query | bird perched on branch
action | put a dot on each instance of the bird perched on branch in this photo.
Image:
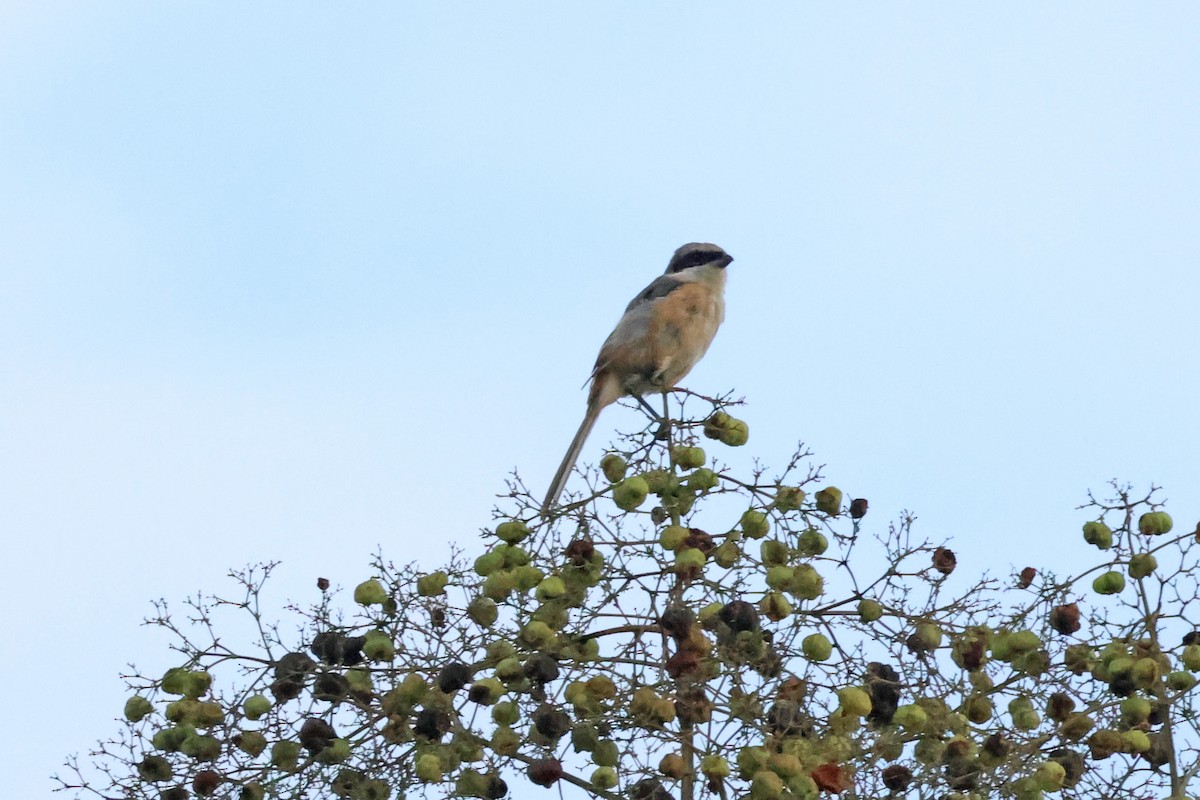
(665, 330)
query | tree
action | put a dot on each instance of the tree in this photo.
(680, 631)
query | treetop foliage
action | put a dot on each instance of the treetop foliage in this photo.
(682, 630)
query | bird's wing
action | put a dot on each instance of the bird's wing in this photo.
(629, 337)
(661, 286)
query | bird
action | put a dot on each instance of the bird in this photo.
(664, 331)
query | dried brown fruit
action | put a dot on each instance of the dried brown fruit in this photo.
(944, 560)
(1065, 618)
(545, 771)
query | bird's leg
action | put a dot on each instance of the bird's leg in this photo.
(664, 422)
(664, 431)
(649, 408)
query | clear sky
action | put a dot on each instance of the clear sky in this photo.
(294, 280)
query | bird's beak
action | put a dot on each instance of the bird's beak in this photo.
(724, 261)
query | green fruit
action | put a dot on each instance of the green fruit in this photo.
(489, 562)
(195, 713)
(869, 610)
(679, 500)
(785, 765)
(980, 681)
(256, 707)
(470, 783)
(606, 753)
(687, 458)
(673, 537)
(137, 708)
(812, 542)
(1033, 663)
(588, 651)
(703, 479)
(337, 752)
(506, 713)
(510, 670)
(499, 585)
(911, 717)
(432, 585)
(1076, 726)
(659, 481)
(1135, 710)
(411, 690)
(736, 433)
(155, 769)
(528, 576)
(689, 558)
(429, 768)
(776, 607)
(715, 425)
(1105, 743)
(200, 747)
(498, 651)
(1155, 523)
(378, 646)
(604, 777)
(1146, 673)
(817, 647)
(285, 754)
(929, 751)
(538, 635)
(789, 498)
(483, 611)
(766, 785)
(926, 637)
(1026, 789)
(854, 701)
(751, 760)
(630, 493)
(978, 709)
(1191, 657)
(252, 791)
(755, 524)
(1050, 776)
(1141, 565)
(807, 583)
(1023, 641)
(197, 684)
(613, 467)
(1026, 720)
(829, 501)
(773, 551)
(1097, 533)
(727, 555)
(251, 743)
(1109, 583)
(505, 741)
(514, 555)
(709, 613)
(550, 588)
(1079, 658)
(169, 740)
(512, 531)
(714, 766)
(1135, 741)
(370, 593)
(780, 577)
(175, 680)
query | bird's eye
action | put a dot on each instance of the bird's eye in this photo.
(694, 259)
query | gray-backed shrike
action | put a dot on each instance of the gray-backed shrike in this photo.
(665, 330)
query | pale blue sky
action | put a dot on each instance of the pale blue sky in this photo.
(285, 280)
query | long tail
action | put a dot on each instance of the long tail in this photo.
(564, 469)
